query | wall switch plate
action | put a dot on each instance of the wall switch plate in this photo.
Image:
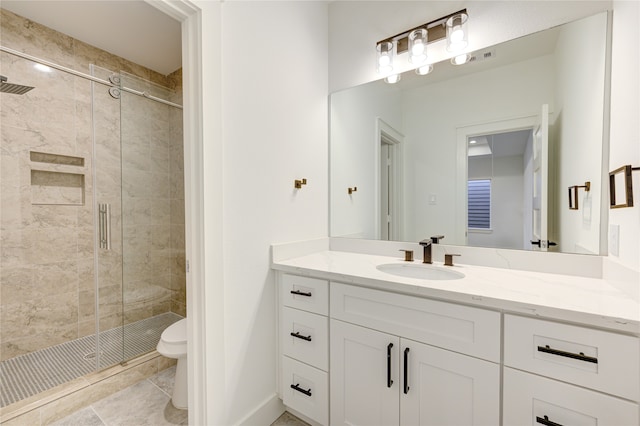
(614, 240)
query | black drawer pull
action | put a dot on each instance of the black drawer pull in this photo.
(389, 381)
(545, 421)
(406, 370)
(301, 293)
(299, 389)
(581, 356)
(299, 336)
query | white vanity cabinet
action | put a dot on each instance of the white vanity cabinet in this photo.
(559, 374)
(381, 376)
(382, 379)
(355, 355)
(304, 346)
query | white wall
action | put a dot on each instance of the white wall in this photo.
(274, 131)
(353, 123)
(265, 120)
(625, 126)
(507, 203)
(578, 131)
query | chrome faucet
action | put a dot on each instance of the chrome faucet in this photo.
(426, 247)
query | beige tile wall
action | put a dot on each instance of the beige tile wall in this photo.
(47, 289)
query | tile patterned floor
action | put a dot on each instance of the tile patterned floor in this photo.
(288, 419)
(147, 403)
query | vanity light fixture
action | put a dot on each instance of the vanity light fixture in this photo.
(415, 42)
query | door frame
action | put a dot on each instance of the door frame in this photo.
(462, 135)
(205, 303)
(384, 130)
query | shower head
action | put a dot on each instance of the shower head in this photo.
(15, 89)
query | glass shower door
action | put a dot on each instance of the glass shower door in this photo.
(107, 216)
(149, 168)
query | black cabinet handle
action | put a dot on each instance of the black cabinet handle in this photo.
(299, 389)
(299, 336)
(406, 370)
(581, 356)
(545, 421)
(301, 293)
(389, 381)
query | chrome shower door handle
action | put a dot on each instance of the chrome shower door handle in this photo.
(104, 226)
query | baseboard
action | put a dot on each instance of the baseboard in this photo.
(265, 413)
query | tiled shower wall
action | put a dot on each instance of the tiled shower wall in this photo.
(47, 289)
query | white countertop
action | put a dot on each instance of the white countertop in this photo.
(590, 301)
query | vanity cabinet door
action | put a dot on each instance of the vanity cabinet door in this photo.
(530, 399)
(447, 388)
(364, 379)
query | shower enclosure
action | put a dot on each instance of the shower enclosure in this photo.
(91, 220)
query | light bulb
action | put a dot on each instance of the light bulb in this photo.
(457, 34)
(424, 70)
(418, 46)
(417, 49)
(385, 51)
(392, 79)
(460, 59)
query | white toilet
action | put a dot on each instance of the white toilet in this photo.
(173, 344)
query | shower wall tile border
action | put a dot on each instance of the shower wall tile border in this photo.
(55, 404)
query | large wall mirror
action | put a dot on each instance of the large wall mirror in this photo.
(482, 153)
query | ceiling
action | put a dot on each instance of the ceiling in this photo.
(507, 144)
(131, 29)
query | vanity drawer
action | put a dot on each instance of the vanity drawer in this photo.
(463, 329)
(308, 294)
(305, 337)
(529, 398)
(591, 358)
(306, 390)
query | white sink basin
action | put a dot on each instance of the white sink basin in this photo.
(420, 271)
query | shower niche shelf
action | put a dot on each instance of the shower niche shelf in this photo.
(57, 179)
(66, 160)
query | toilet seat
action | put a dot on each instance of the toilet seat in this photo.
(173, 341)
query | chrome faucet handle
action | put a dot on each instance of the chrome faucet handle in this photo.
(448, 259)
(436, 239)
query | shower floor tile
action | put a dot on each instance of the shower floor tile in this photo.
(27, 375)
